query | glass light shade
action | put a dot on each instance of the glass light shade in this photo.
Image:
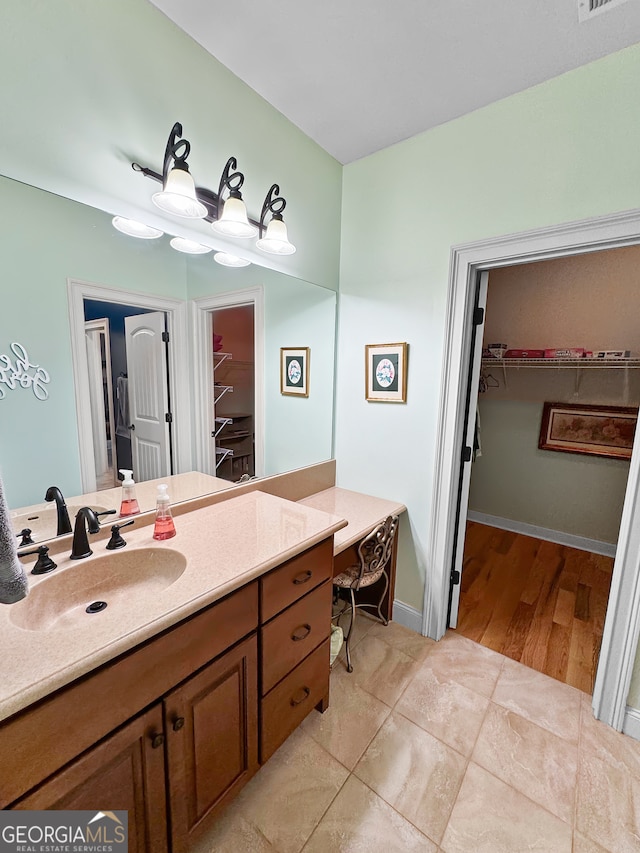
(230, 260)
(275, 240)
(179, 196)
(135, 229)
(181, 244)
(234, 221)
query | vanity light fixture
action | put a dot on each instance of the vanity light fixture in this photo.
(136, 229)
(275, 240)
(225, 210)
(178, 194)
(228, 260)
(190, 247)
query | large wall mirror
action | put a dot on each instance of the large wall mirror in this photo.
(60, 257)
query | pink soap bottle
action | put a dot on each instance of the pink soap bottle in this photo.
(164, 527)
(129, 504)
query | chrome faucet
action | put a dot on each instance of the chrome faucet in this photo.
(86, 518)
(54, 494)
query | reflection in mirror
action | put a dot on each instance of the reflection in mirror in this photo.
(41, 440)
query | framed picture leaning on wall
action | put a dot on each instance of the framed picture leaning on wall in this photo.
(594, 430)
(386, 373)
(294, 371)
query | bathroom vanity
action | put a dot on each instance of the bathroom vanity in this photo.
(169, 700)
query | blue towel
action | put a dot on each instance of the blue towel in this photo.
(13, 579)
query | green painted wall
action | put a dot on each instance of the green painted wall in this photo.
(561, 151)
(298, 430)
(44, 240)
(580, 495)
(91, 86)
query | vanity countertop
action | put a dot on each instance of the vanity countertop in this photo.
(226, 545)
(362, 512)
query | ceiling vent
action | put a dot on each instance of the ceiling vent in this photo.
(588, 9)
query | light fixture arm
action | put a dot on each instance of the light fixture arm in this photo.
(274, 203)
(177, 150)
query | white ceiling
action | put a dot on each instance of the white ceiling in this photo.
(358, 75)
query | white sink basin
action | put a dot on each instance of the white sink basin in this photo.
(121, 579)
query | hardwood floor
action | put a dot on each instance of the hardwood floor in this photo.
(534, 601)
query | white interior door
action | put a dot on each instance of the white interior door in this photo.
(475, 363)
(148, 395)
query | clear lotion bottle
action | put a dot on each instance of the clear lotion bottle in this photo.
(164, 527)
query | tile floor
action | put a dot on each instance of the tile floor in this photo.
(441, 747)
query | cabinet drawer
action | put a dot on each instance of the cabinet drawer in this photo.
(296, 578)
(292, 635)
(286, 706)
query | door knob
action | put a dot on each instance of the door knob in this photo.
(178, 723)
(131, 426)
(157, 740)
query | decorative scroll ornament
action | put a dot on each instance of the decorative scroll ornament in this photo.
(21, 373)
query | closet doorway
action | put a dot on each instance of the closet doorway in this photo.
(542, 524)
(233, 431)
(228, 381)
(622, 622)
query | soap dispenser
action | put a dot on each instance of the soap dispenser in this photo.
(129, 504)
(164, 527)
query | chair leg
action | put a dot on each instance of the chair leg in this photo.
(347, 640)
(384, 592)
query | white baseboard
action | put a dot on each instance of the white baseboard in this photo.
(631, 723)
(407, 616)
(595, 546)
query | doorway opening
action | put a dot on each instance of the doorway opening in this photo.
(130, 377)
(542, 523)
(622, 621)
(233, 430)
(129, 384)
(228, 380)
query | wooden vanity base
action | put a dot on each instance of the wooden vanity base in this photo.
(172, 730)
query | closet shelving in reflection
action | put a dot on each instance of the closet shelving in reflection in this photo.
(232, 433)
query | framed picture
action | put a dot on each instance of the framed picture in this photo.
(595, 430)
(386, 372)
(294, 371)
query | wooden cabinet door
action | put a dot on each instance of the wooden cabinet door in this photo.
(125, 771)
(212, 744)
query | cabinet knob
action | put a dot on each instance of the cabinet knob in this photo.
(301, 632)
(305, 695)
(178, 723)
(157, 740)
(303, 577)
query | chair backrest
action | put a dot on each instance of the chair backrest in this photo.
(375, 549)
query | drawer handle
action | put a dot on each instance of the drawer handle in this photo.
(157, 740)
(306, 693)
(306, 630)
(303, 577)
(178, 723)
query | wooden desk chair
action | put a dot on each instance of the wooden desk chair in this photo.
(374, 553)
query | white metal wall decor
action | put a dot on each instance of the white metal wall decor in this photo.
(21, 373)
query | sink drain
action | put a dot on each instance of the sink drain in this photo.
(96, 606)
